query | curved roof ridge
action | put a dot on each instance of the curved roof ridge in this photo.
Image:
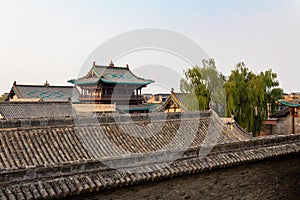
(111, 74)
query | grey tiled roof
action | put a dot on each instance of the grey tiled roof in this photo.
(52, 162)
(282, 113)
(25, 110)
(133, 137)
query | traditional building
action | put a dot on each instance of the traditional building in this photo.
(157, 98)
(113, 85)
(285, 121)
(46, 92)
(173, 103)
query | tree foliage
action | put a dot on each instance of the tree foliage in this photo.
(248, 94)
(244, 94)
(205, 85)
(197, 96)
(214, 82)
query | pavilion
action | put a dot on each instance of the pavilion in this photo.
(113, 85)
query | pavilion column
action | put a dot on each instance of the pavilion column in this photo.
(293, 120)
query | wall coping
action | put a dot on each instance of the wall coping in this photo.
(266, 145)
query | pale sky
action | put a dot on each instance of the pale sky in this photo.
(50, 40)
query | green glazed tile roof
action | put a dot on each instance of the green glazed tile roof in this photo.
(47, 93)
(109, 74)
(295, 105)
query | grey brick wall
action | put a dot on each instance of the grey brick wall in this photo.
(271, 179)
(284, 126)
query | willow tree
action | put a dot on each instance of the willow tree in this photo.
(248, 94)
(204, 85)
(272, 90)
(214, 82)
(197, 96)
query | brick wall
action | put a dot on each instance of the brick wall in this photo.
(278, 178)
(284, 126)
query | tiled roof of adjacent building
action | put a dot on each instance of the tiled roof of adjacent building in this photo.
(27, 110)
(44, 161)
(178, 98)
(45, 92)
(111, 74)
(282, 113)
(289, 104)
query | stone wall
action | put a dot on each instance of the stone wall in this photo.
(277, 178)
(284, 126)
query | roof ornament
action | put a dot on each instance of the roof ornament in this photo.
(172, 90)
(111, 64)
(210, 105)
(46, 84)
(94, 63)
(15, 82)
(127, 66)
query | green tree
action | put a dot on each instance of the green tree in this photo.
(197, 96)
(248, 94)
(214, 82)
(272, 92)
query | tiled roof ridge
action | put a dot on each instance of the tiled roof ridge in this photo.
(70, 123)
(116, 67)
(121, 68)
(106, 118)
(98, 72)
(93, 181)
(35, 102)
(50, 86)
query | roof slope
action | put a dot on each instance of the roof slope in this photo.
(111, 74)
(44, 162)
(93, 181)
(55, 146)
(47, 93)
(282, 113)
(27, 110)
